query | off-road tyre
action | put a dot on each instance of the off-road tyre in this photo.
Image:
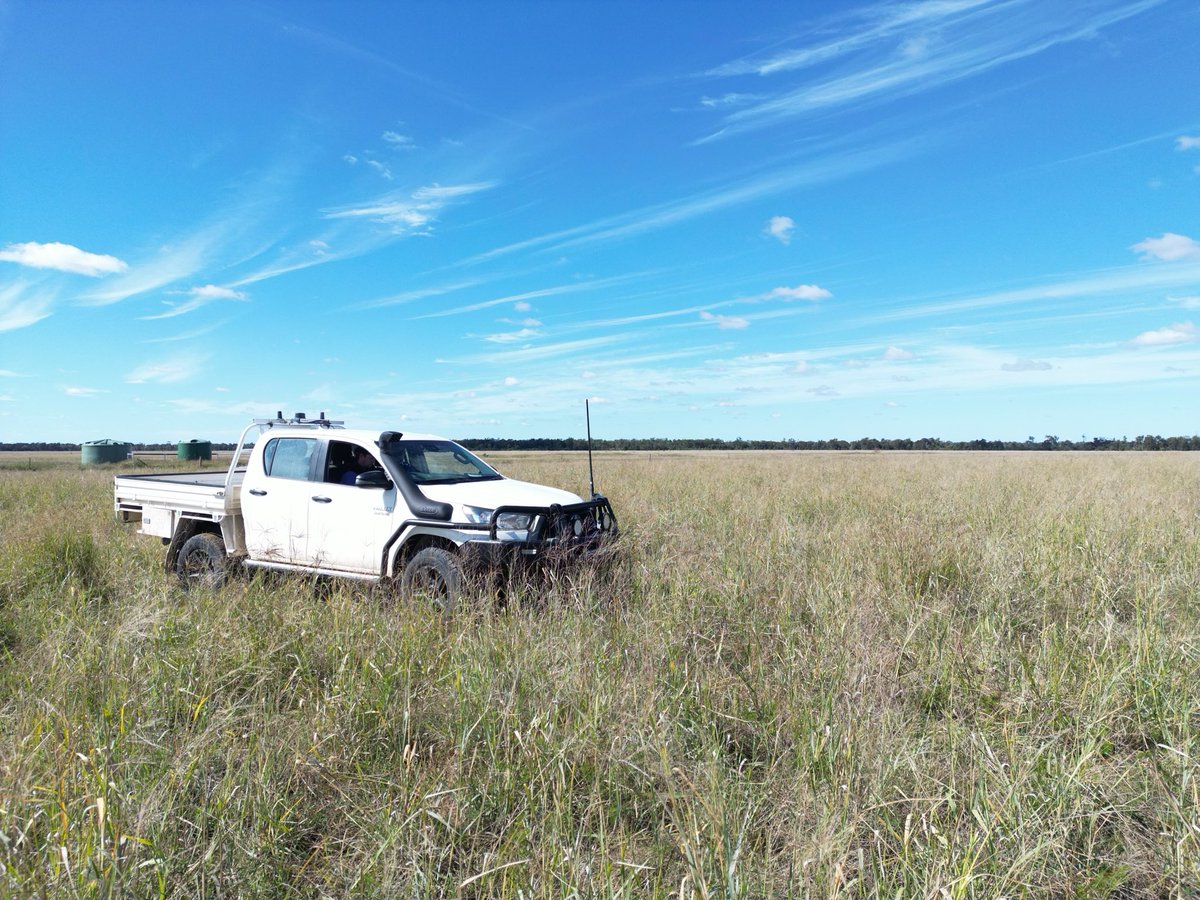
(202, 562)
(434, 574)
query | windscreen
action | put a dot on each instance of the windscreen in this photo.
(438, 462)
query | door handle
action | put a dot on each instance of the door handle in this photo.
(323, 499)
(258, 493)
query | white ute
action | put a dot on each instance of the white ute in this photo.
(425, 512)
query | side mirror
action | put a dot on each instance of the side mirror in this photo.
(375, 478)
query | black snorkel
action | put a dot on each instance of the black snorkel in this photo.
(416, 500)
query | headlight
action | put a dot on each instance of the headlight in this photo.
(513, 521)
(478, 514)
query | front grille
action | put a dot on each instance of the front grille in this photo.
(587, 522)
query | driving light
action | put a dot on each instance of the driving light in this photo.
(513, 521)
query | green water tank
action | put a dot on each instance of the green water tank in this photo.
(194, 449)
(105, 451)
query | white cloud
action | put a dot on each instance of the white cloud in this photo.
(64, 258)
(799, 292)
(198, 297)
(399, 141)
(1168, 248)
(1192, 302)
(725, 322)
(522, 306)
(1179, 333)
(510, 381)
(83, 391)
(511, 337)
(1187, 142)
(780, 228)
(1026, 365)
(896, 354)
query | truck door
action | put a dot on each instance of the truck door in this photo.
(348, 525)
(276, 496)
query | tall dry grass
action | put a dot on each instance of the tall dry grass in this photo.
(925, 675)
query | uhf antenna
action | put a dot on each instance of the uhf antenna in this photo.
(591, 475)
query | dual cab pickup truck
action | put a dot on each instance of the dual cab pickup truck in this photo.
(424, 511)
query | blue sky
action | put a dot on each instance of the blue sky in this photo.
(961, 218)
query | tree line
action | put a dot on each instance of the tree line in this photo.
(1049, 442)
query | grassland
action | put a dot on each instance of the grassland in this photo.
(899, 675)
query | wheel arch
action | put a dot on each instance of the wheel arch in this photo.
(184, 530)
(416, 544)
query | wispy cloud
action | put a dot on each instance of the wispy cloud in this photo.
(512, 337)
(410, 213)
(725, 323)
(196, 298)
(727, 100)
(398, 141)
(829, 163)
(83, 391)
(902, 49)
(1085, 285)
(544, 351)
(22, 305)
(419, 294)
(63, 258)
(1187, 142)
(415, 79)
(1026, 365)
(173, 263)
(788, 294)
(381, 169)
(169, 371)
(541, 293)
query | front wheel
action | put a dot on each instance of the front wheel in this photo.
(436, 574)
(201, 562)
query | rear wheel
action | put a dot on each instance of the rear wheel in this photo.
(434, 574)
(201, 562)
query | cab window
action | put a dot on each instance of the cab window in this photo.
(289, 458)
